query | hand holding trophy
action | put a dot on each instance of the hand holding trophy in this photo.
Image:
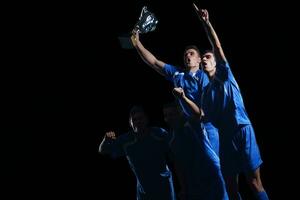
(146, 23)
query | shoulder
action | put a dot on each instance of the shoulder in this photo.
(223, 65)
(167, 66)
(201, 75)
(159, 133)
(224, 71)
(158, 130)
(126, 137)
(200, 72)
(171, 68)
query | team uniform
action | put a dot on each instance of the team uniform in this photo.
(193, 85)
(197, 165)
(223, 105)
(147, 159)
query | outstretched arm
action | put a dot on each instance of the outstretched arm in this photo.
(196, 111)
(146, 55)
(212, 35)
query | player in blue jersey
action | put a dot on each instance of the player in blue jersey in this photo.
(196, 164)
(190, 78)
(223, 104)
(146, 149)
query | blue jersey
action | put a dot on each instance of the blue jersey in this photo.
(222, 100)
(197, 165)
(193, 85)
(147, 159)
(223, 106)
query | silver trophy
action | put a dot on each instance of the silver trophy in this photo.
(147, 22)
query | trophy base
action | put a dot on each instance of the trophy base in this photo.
(125, 41)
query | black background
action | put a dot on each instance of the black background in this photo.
(75, 82)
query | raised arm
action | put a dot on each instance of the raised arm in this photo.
(146, 55)
(212, 35)
(106, 146)
(196, 111)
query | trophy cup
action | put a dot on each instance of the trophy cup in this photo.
(146, 23)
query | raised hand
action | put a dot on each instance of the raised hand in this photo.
(178, 92)
(135, 37)
(110, 135)
(202, 13)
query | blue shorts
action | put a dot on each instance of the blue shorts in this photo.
(239, 152)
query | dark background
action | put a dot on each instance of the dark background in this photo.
(76, 82)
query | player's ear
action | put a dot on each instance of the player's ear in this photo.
(130, 122)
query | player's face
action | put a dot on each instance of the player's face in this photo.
(139, 121)
(208, 62)
(191, 58)
(172, 116)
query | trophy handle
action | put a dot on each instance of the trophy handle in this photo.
(147, 21)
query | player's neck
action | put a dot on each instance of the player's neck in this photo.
(143, 132)
(193, 69)
(211, 74)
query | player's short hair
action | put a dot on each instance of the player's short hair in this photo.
(192, 47)
(136, 109)
(208, 51)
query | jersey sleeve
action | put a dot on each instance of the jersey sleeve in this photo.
(170, 71)
(225, 73)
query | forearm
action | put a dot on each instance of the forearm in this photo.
(196, 111)
(214, 40)
(147, 56)
(105, 147)
(212, 35)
